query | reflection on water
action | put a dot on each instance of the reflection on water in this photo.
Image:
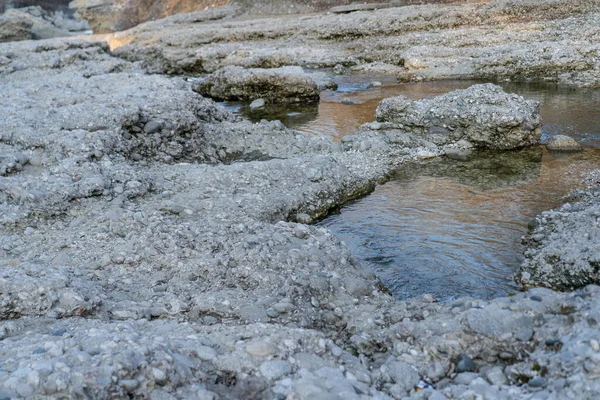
(567, 111)
(452, 228)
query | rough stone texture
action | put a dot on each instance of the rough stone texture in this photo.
(484, 115)
(154, 246)
(453, 124)
(277, 85)
(563, 249)
(551, 40)
(116, 15)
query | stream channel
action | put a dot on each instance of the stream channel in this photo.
(444, 227)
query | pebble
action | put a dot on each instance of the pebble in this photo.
(465, 364)
(158, 394)
(58, 332)
(24, 390)
(159, 376)
(153, 126)
(271, 313)
(496, 376)
(260, 349)
(206, 353)
(536, 382)
(337, 351)
(283, 308)
(258, 103)
(129, 384)
(465, 378)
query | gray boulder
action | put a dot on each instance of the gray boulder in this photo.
(484, 115)
(285, 84)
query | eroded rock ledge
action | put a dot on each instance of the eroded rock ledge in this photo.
(550, 40)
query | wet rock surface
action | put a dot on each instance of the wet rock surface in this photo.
(154, 245)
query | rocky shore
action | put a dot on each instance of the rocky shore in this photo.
(154, 245)
(550, 40)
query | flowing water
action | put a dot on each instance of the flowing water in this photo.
(444, 227)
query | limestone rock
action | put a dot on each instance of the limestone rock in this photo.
(484, 115)
(285, 84)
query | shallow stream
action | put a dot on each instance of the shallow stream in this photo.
(443, 227)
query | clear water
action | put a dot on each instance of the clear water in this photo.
(452, 228)
(444, 227)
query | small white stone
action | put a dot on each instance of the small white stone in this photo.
(24, 390)
(159, 375)
(206, 353)
(260, 349)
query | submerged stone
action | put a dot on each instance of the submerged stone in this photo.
(563, 143)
